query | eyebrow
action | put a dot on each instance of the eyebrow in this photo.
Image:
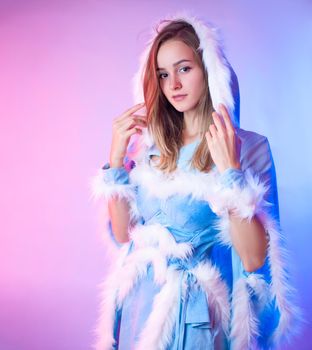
(176, 63)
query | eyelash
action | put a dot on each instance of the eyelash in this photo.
(161, 75)
(186, 67)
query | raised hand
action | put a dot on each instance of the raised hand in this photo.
(124, 127)
(223, 143)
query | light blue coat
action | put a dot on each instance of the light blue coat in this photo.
(191, 220)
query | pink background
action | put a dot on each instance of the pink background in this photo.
(65, 73)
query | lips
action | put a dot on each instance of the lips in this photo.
(178, 97)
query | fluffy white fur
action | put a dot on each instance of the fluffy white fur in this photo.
(154, 244)
(244, 202)
(280, 287)
(101, 188)
(210, 280)
(219, 75)
(158, 236)
(129, 269)
(104, 331)
(157, 332)
(109, 288)
(135, 267)
(161, 185)
(244, 325)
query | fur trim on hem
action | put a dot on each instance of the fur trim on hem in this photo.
(157, 331)
(279, 290)
(104, 331)
(247, 201)
(130, 268)
(243, 317)
(282, 291)
(210, 280)
(154, 244)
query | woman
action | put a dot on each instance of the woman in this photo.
(193, 205)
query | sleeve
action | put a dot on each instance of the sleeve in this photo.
(252, 189)
(261, 300)
(115, 183)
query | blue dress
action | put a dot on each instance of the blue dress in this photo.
(188, 221)
(180, 284)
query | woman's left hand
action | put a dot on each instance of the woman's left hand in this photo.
(223, 143)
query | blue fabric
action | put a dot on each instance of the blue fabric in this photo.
(116, 176)
(192, 220)
(232, 177)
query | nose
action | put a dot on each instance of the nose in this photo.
(175, 83)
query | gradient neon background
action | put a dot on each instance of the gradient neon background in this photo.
(65, 73)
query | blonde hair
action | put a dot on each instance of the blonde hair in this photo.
(165, 123)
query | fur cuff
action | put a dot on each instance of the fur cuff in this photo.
(112, 182)
(240, 193)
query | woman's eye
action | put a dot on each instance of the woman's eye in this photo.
(162, 75)
(184, 69)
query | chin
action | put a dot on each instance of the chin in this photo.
(183, 109)
(180, 107)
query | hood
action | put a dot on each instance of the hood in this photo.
(222, 80)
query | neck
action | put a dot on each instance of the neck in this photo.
(191, 127)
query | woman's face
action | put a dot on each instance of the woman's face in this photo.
(181, 77)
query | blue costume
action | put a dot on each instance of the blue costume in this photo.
(179, 284)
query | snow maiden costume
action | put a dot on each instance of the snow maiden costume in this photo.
(179, 283)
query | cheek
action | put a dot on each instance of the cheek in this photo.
(199, 82)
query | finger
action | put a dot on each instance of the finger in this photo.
(133, 118)
(133, 131)
(123, 119)
(139, 116)
(132, 110)
(208, 137)
(128, 112)
(218, 122)
(226, 117)
(130, 123)
(213, 130)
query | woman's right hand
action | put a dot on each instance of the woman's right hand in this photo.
(124, 127)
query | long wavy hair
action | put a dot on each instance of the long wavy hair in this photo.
(165, 123)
